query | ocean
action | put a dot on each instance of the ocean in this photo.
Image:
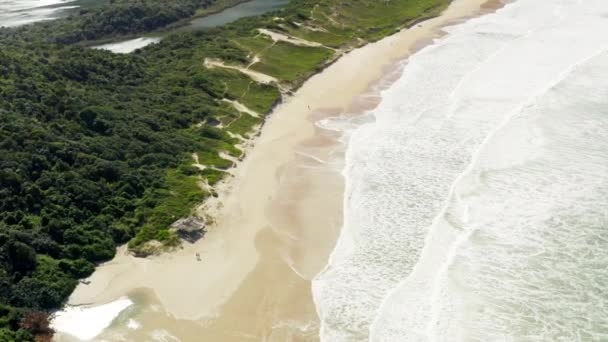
(21, 12)
(476, 202)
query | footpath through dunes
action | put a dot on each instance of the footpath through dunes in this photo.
(277, 220)
(476, 200)
(256, 76)
(275, 36)
(261, 50)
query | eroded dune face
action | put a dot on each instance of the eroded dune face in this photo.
(476, 200)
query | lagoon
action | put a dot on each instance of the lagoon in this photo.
(243, 10)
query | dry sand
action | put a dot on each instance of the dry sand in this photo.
(279, 221)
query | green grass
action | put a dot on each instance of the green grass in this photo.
(289, 62)
(213, 176)
(181, 191)
(234, 83)
(169, 204)
(243, 125)
(237, 86)
(371, 20)
(255, 44)
(334, 39)
(211, 158)
(261, 97)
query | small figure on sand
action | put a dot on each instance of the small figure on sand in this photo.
(198, 256)
(308, 107)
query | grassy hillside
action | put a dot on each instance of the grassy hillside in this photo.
(96, 149)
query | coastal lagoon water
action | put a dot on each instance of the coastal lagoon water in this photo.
(22, 12)
(246, 9)
(475, 204)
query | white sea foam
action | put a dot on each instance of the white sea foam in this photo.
(133, 324)
(86, 323)
(475, 204)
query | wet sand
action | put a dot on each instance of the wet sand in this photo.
(277, 220)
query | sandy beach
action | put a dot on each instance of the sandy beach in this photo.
(277, 219)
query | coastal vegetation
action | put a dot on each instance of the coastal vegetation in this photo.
(99, 149)
(118, 18)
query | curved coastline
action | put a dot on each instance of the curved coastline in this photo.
(458, 12)
(505, 182)
(250, 246)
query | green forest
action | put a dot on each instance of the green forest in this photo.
(115, 18)
(96, 148)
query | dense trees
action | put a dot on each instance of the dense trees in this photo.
(86, 139)
(116, 17)
(95, 150)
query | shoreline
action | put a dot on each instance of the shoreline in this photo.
(280, 215)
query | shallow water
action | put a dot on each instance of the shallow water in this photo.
(475, 207)
(21, 12)
(128, 46)
(86, 323)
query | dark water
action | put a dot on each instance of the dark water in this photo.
(22, 12)
(247, 9)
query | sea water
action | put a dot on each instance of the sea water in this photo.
(476, 203)
(21, 12)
